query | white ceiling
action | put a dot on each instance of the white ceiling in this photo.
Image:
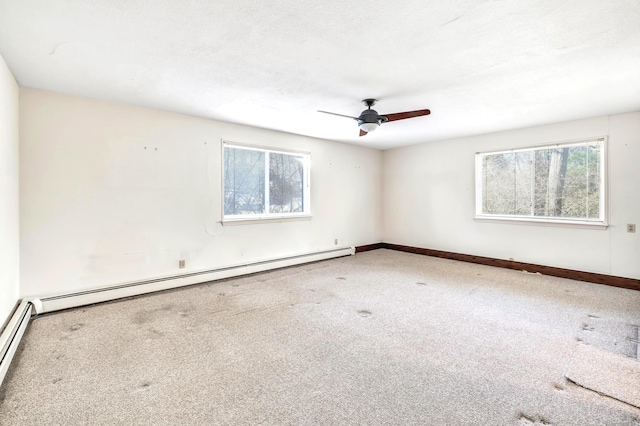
(480, 66)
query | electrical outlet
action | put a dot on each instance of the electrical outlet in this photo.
(335, 242)
(631, 227)
(182, 263)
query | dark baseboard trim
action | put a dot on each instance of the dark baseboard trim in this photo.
(368, 247)
(611, 280)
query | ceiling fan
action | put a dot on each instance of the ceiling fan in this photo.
(369, 120)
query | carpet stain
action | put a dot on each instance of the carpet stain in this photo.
(364, 313)
(221, 294)
(593, 316)
(340, 278)
(143, 387)
(155, 334)
(68, 333)
(142, 317)
(56, 380)
(524, 419)
(421, 283)
(145, 316)
(558, 387)
(587, 327)
(76, 327)
(256, 309)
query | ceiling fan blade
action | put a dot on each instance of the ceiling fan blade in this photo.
(409, 114)
(339, 115)
(362, 132)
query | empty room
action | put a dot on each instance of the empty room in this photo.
(335, 213)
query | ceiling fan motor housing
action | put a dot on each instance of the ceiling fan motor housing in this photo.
(370, 116)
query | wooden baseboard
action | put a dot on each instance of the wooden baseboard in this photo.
(611, 280)
(368, 247)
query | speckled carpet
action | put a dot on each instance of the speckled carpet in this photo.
(379, 338)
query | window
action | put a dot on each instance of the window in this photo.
(262, 183)
(562, 183)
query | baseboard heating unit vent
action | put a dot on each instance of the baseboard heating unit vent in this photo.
(88, 297)
(11, 335)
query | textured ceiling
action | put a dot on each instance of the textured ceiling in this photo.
(480, 66)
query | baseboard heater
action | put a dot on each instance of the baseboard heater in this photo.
(104, 294)
(11, 335)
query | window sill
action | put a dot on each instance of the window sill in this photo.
(262, 219)
(545, 222)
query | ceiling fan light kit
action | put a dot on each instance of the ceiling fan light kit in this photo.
(369, 120)
(369, 127)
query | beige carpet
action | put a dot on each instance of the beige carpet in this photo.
(380, 338)
(607, 373)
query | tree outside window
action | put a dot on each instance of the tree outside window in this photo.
(264, 183)
(564, 181)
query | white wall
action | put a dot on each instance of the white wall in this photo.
(429, 200)
(98, 209)
(9, 213)
(113, 193)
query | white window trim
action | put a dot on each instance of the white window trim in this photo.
(601, 223)
(268, 217)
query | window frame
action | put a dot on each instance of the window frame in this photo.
(267, 217)
(600, 222)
